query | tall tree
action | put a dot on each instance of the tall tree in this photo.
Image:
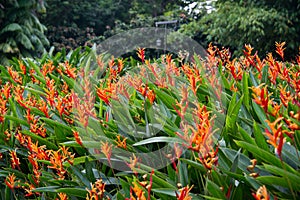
(257, 22)
(21, 33)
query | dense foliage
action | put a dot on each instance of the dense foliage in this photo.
(233, 124)
(21, 33)
(259, 23)
(72, 23)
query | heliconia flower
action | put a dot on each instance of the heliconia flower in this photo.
(69, 70)
(97, 190)
(10, 181)
(106, 149)
(28, 116)
(275, 136)
(77, 137)
(184, 193)
(183, 104)
(209, 159)
(235, 69)
(47, 68)
(133, 163)
(33, 160)
(104, 95)
(39, 152)
(14, 160)
(120, 65)
(151, 96)
(280, 49)
(50, 91)
(141, 54)
(275, 109)
(29, 190)
(65, 88)
(261, 96)
(261, 193)
(260, 64)
(121, 143)
(137, 191)
(285, 96)
(248, 54)
(57, 158)
(60, 106)
(62, 196)
(38, 129)
(42, 106)
(8, 135)
(22, 67)
(6, 89)
(252, 166)
(3, 109)
(32, 77)
(15, 75)
(21, 138)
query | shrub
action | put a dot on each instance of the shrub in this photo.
(233, 138)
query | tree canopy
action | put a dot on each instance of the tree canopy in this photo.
(259, 23)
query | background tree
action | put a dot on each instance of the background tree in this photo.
(21, 33)
(259, 23)
(75, 23)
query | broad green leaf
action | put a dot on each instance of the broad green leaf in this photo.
(159, 139)
(12, 27)
(77, 192)
(292, 178)
(260, 114)
(42, 141)
(264, 155)
(46, 189)
(195, 165)
(214, 190)
(259, 137)
(246, 95)
(246, 136)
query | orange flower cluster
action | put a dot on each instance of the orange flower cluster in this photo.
(184, 193)
(97, 191)
(200, 138)
(121, 142)
(57, 159)
(261, 194)
(11, 182)
(137, 191)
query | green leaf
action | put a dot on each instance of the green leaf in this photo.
(291, 178)
(37, 70)
(246, 95)
(42, 141)
(46, 189)
(246, 136)
(214, 190)
(56, 123)
(25, 41)
(81, 177)
(167, 99)
(265, 155)
(158, 139)
(274, 180)
(259, 137)
(167, 191)
(11, 28)
(77, 192)
(195, 165)
(260, 114)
